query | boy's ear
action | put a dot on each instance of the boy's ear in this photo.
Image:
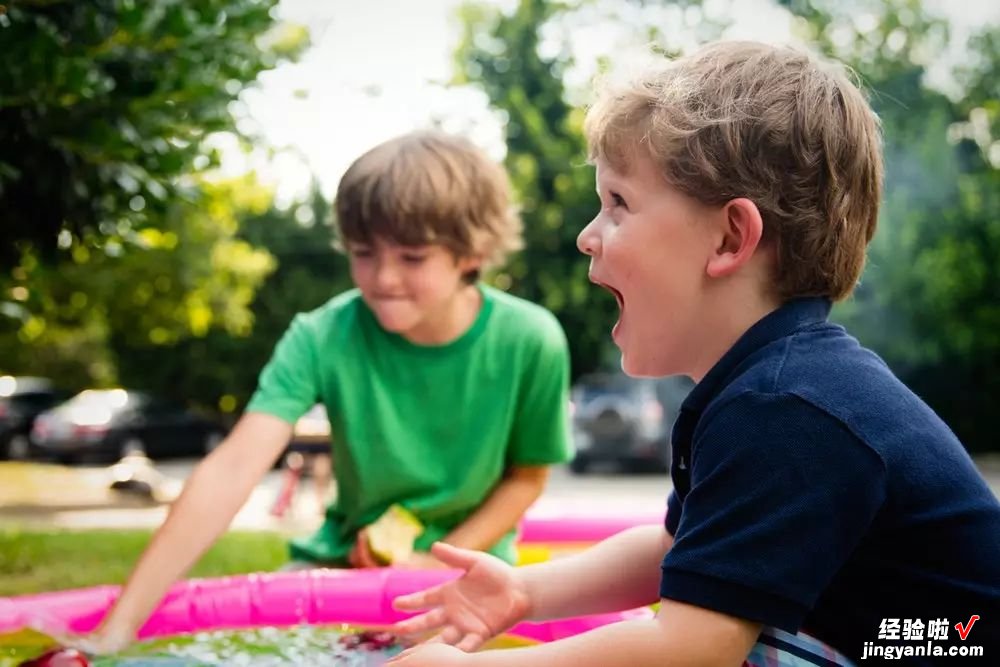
(470, 263)
(742, 229)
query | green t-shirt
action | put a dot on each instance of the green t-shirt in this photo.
(429, 427)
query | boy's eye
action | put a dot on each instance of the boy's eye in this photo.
(617, 200)
(414, 259)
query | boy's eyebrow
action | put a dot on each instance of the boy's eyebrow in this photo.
(613, 183)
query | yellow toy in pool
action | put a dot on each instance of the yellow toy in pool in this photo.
(391, 537)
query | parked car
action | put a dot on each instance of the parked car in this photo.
(625, 421)
(22, 399)
(108, 424)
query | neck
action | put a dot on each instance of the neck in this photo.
(728, 324)
(452, 320)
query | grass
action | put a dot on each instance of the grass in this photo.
(33, 560)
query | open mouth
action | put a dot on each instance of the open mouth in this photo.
(618, 295)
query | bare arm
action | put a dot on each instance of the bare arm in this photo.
(211, 498)
(621, 572)
(681, 635)
(502, 509)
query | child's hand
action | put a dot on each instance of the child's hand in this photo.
(488, 599)
(99, 642)
(361, 554)
(433, 655)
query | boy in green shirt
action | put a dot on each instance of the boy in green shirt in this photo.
(446, 397)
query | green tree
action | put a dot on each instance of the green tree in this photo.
(927, 301)
(309, 272)
(121, 257)
(106, 105)
(105, 315)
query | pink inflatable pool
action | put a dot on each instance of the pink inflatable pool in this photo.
(362, 597)
(553, 525)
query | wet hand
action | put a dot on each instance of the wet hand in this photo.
(488, 599)
(99, 642)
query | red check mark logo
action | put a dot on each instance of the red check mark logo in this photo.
(963, 630)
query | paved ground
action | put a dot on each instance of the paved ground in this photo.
(607, 494)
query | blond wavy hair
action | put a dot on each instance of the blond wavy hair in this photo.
(769, 123)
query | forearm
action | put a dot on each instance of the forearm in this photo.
(214, 493)
(627, 644)
(680, 636)
(501, 510)
(622, 572)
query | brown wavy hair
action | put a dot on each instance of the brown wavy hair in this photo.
(429, 187)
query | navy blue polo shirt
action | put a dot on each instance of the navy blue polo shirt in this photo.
(814, 491)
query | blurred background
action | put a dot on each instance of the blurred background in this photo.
(166, 170)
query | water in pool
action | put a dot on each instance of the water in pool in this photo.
(318, 646)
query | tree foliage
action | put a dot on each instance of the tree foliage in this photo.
(120, 249)
(76, 318)
(105, 105)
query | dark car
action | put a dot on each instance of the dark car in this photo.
(625, 421)
(22, 399)
(107, 424)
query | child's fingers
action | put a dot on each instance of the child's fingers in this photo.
(420, 600)
(470, 642)
(432, 620)
(453, 556)
(448, 635)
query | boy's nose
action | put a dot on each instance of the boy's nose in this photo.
(589, 240)
(386, 275)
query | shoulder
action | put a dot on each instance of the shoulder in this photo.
(806, 385)
(817, 360)
(769, 426)
(825, 367)
(521, 320)
(338, 314)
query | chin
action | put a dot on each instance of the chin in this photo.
(634, 367)
(397, 325)
(638, 367)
